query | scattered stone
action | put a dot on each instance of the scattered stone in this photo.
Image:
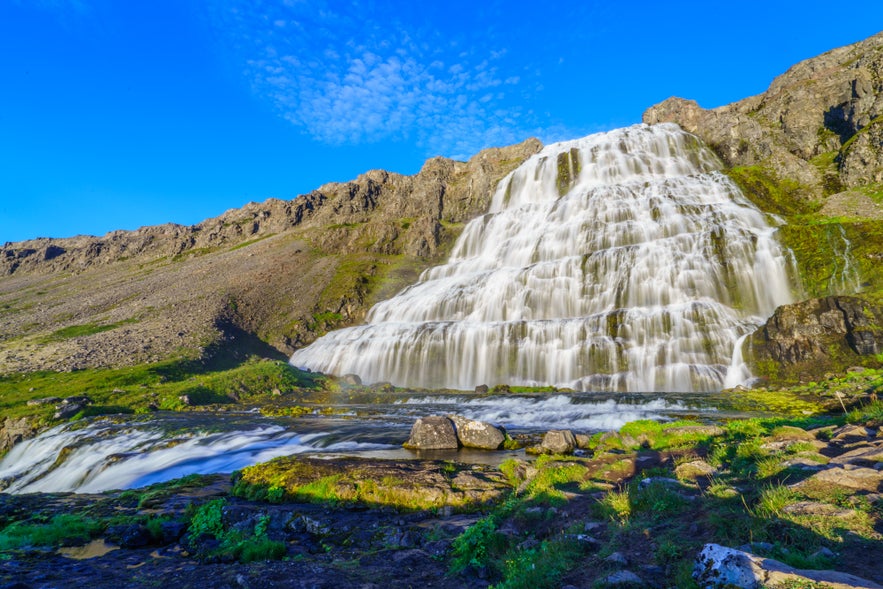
(807, 462)
(868, 455)
(816, 508)
(351, 379)
(482, 389)
(856, 479)
(477, 434)
(665, 481)
(44, 401)
(623, 578)
(583, 441)
(66, 411)
(850, 434)
(617, 558)
(434, 432)
(558, 442)
(719, 567)
(824, 552)
(185, 399)
(694, 470)
(129, 535)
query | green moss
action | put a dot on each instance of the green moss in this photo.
(245, 546)
(771, 193)
(568, 170)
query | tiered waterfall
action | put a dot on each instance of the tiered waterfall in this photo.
(623, 261)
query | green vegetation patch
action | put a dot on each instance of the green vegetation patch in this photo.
(143, 387)
(232, 543)
(771, 193)
(84, 330)
(408, 486)
(62, 530)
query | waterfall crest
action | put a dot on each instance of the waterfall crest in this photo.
(622, 261)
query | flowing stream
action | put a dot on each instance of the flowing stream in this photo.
(623, 261)
(105, 453)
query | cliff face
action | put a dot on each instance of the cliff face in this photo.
(268, 277)
(819, 125)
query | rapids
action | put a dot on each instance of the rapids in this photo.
(94, 455)
(622, 261)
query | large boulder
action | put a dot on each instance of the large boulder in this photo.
(433, 433)
(719, 567)
(477, 434)
(807, 339)
(558, 442)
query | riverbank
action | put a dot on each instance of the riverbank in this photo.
(634, 510)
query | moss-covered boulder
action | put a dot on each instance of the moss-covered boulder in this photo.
(805, 340)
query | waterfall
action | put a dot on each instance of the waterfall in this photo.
(844, 277)
(622, 261)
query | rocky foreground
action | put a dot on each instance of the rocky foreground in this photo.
(749, 503)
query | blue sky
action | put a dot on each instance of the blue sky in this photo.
(117, 114)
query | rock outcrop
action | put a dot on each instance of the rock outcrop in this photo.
(825, 109)
(806, 339)
(13, 431)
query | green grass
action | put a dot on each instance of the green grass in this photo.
(61, 530)
(83, 330)
(244, 546)
(135, 388)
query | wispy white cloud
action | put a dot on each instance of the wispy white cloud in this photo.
(355, 74)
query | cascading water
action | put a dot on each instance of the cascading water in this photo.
(845, 277)
(623, 261)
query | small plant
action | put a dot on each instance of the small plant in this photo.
(617, 506)
(62, 530)
(474, 547)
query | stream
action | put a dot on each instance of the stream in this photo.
(123, 452)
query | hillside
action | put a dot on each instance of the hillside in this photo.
(266, 278)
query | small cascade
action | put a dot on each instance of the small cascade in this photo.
(845, 278)
(623, 261)
(108, 454)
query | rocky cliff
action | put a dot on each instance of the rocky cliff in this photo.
(266, 278)
(818, 127)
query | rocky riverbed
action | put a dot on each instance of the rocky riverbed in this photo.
(633, 508)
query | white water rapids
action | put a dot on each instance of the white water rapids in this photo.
(623, 261)
(90, 456)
